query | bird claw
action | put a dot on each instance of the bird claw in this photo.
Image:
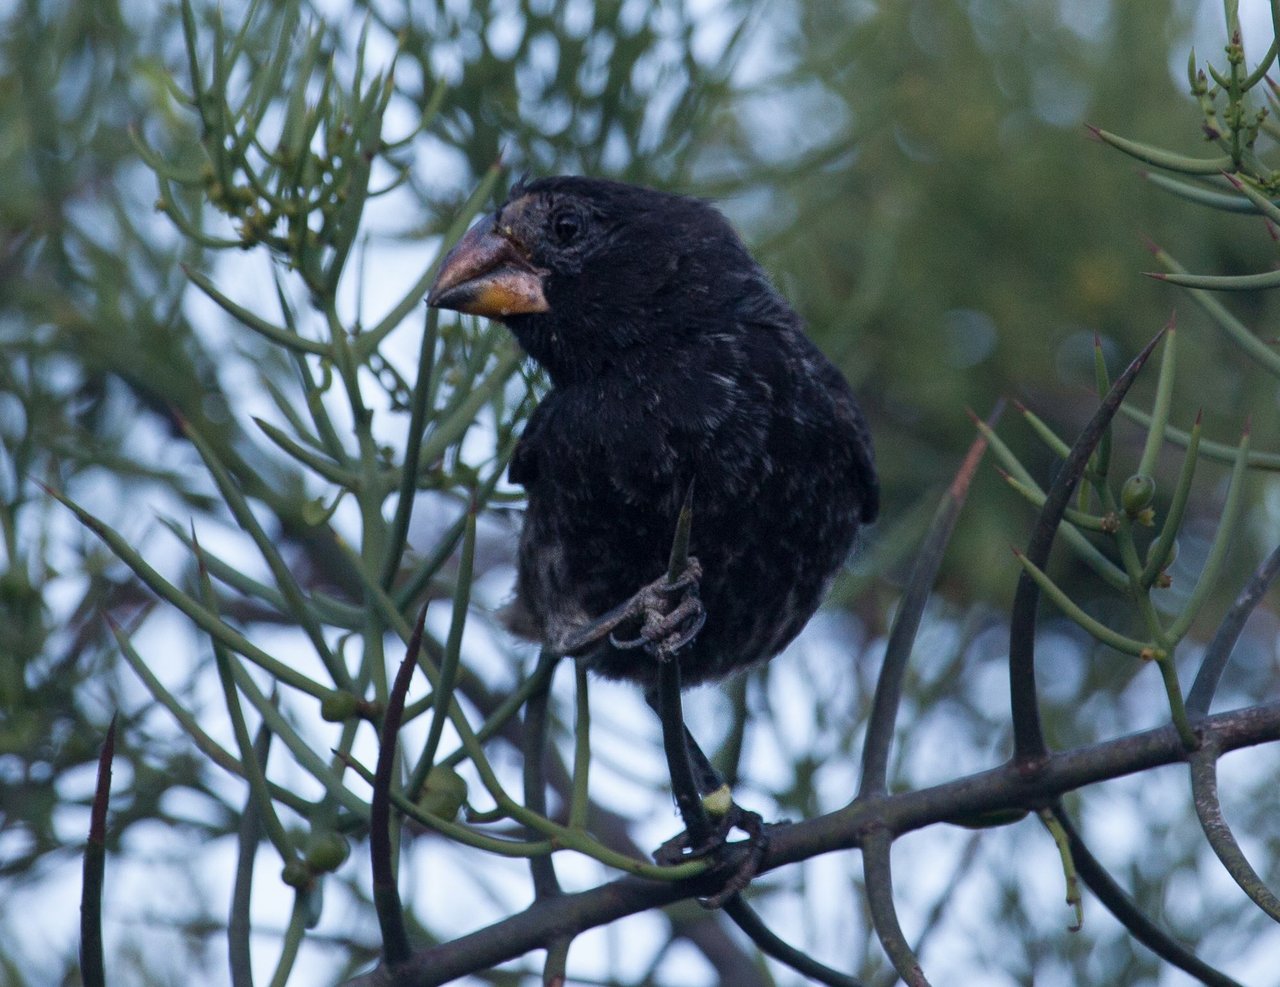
(664, 629)
(737, 873)
(665, 634)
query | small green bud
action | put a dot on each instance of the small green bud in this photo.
(315, 511)
(1137, 493)
(296, 874)
(326, 852)
(443, 793)
(338, 707)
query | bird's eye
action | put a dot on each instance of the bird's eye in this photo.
(567, 225)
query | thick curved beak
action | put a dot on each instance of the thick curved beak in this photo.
(486, 274)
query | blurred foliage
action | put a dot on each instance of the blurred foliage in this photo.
(917, 176)
(591, 88)
(953, 236)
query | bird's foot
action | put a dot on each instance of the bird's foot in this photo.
(734, 870)
(665, 629)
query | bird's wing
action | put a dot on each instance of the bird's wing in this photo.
(864, 460)
(864, 476)
(524, 463)
(526, 459)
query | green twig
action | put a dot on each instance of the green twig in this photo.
(1221, 542)
(1063, 842)
(1160, 553)
(1161, 158)
(443, 692)
(258, 791)
(205, 619)
(397, 539)
(1164, 398)
(1094, 627)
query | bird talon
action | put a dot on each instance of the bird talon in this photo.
(670, 638)
(677, 851)
(690, 632)
(663, 631)
(627, 644)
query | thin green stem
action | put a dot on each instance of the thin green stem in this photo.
(443, 693)
(1221, 542)
(1164, 400)
(1063, 843)
(292, 939)
(298, 607)
(1068, 606)
(398, 536)
(1160, 553)
(252, 769)
(1177, 705)
(187, 721)
(204, 618)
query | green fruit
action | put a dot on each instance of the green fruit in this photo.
(1137, 493)
(326, 852)
(296, 874)
(444, 792)
(339, 706)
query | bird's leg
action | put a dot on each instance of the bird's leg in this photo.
(704, 800)
(667, 629)
(703, 797)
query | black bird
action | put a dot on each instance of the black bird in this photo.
(673, 361)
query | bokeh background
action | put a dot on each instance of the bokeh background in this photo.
(918, 177)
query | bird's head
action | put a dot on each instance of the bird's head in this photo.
(591, 274)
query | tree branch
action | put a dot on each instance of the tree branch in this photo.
(1003, 787)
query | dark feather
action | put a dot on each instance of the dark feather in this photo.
(673, 359)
